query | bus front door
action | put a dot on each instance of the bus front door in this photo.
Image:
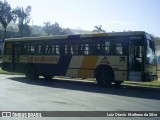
(135, 61)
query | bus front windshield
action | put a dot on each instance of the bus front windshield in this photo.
(150, 52)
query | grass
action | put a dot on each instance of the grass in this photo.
(152, 84)
(9, 73)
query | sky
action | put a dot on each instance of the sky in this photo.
(113, 15)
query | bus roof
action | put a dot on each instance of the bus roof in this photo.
(78, 35)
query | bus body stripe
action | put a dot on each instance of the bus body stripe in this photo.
(74, 66)
(64, 63)
(87, 66)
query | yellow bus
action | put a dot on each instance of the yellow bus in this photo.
(109, 57)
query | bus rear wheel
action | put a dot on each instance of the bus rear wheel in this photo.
(118, 83)
(104, 78)
(30, 73)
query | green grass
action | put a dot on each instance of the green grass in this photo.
(9, 73)
(152, 84)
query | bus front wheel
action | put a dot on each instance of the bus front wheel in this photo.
(30, 73)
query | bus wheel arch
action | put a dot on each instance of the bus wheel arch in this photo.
(104, 75)
(30, 71)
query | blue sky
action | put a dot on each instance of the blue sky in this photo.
(113, 15)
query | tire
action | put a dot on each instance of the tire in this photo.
(118, 83)
(104, 78)
(48, 77)
(31, 73)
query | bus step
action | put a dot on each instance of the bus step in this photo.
(134, 78)
(135, 73)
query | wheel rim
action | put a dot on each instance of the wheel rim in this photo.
(104, 79)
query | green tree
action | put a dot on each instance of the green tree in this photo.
(56, 29)
(37, 30)
(98, 29)
(67, 31)
(5, 15)
(47, 28)
(22, 18)
(52, 29)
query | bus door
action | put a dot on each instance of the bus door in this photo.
(135, 60)
(15, 55)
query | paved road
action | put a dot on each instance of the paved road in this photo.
(20, 94)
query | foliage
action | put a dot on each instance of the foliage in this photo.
(22, 18)
(98, 29)
(5, 14)
(37, 30)
(47, 28)
(52, 29)
(67, 31)
(55, 29)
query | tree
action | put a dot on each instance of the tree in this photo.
(22, 17)
(56, 29)
(47, 28)
(37, 30)
(5, 15)
(67, 31)
(52, 29)
(98, 29)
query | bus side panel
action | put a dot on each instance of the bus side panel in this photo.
(87, 66)
(74, 66)
(58, 68)
(63, 65)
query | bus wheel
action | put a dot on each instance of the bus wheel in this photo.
(48, 77)
(30, 73)
(118, 83)
(104, 78)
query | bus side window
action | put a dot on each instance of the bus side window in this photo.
(47, 49)
(57, 50)
(40, 49)
(86, 49)
(62, 49)
(95, 49)
(25, 49)
(32, 50)
(81, 49)
(52, 49)
(107, 47)
(74, 49)
(120, 48)
(66, 49)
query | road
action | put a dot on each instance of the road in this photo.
(20, 94)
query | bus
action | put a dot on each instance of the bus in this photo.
(108, 57)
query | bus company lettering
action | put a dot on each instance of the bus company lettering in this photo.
(43, 59)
